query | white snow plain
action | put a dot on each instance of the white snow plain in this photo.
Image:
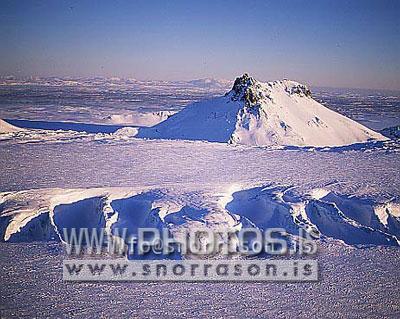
(350, 194)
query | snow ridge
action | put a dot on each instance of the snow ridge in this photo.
(8, 128)
(42, 215)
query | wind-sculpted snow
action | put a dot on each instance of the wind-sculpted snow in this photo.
(139, 211)
(139, 119)
(43, 214)
(264, 208)
(39, 228)
(83, 214)
(8, 128)
(353, 220)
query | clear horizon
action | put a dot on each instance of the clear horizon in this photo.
(327, 43)
(72, 77)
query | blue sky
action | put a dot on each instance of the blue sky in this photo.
(328, 43)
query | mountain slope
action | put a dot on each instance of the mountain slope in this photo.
(8, 128)
(263, 114)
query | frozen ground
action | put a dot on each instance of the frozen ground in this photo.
(37, 165)
(354, 283)
(361, 281)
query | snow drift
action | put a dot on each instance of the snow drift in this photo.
(8, 128)
(42, 215)
(263, 114)
(139, 119)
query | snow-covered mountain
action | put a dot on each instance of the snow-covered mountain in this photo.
(8, 128)
(263, 114)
